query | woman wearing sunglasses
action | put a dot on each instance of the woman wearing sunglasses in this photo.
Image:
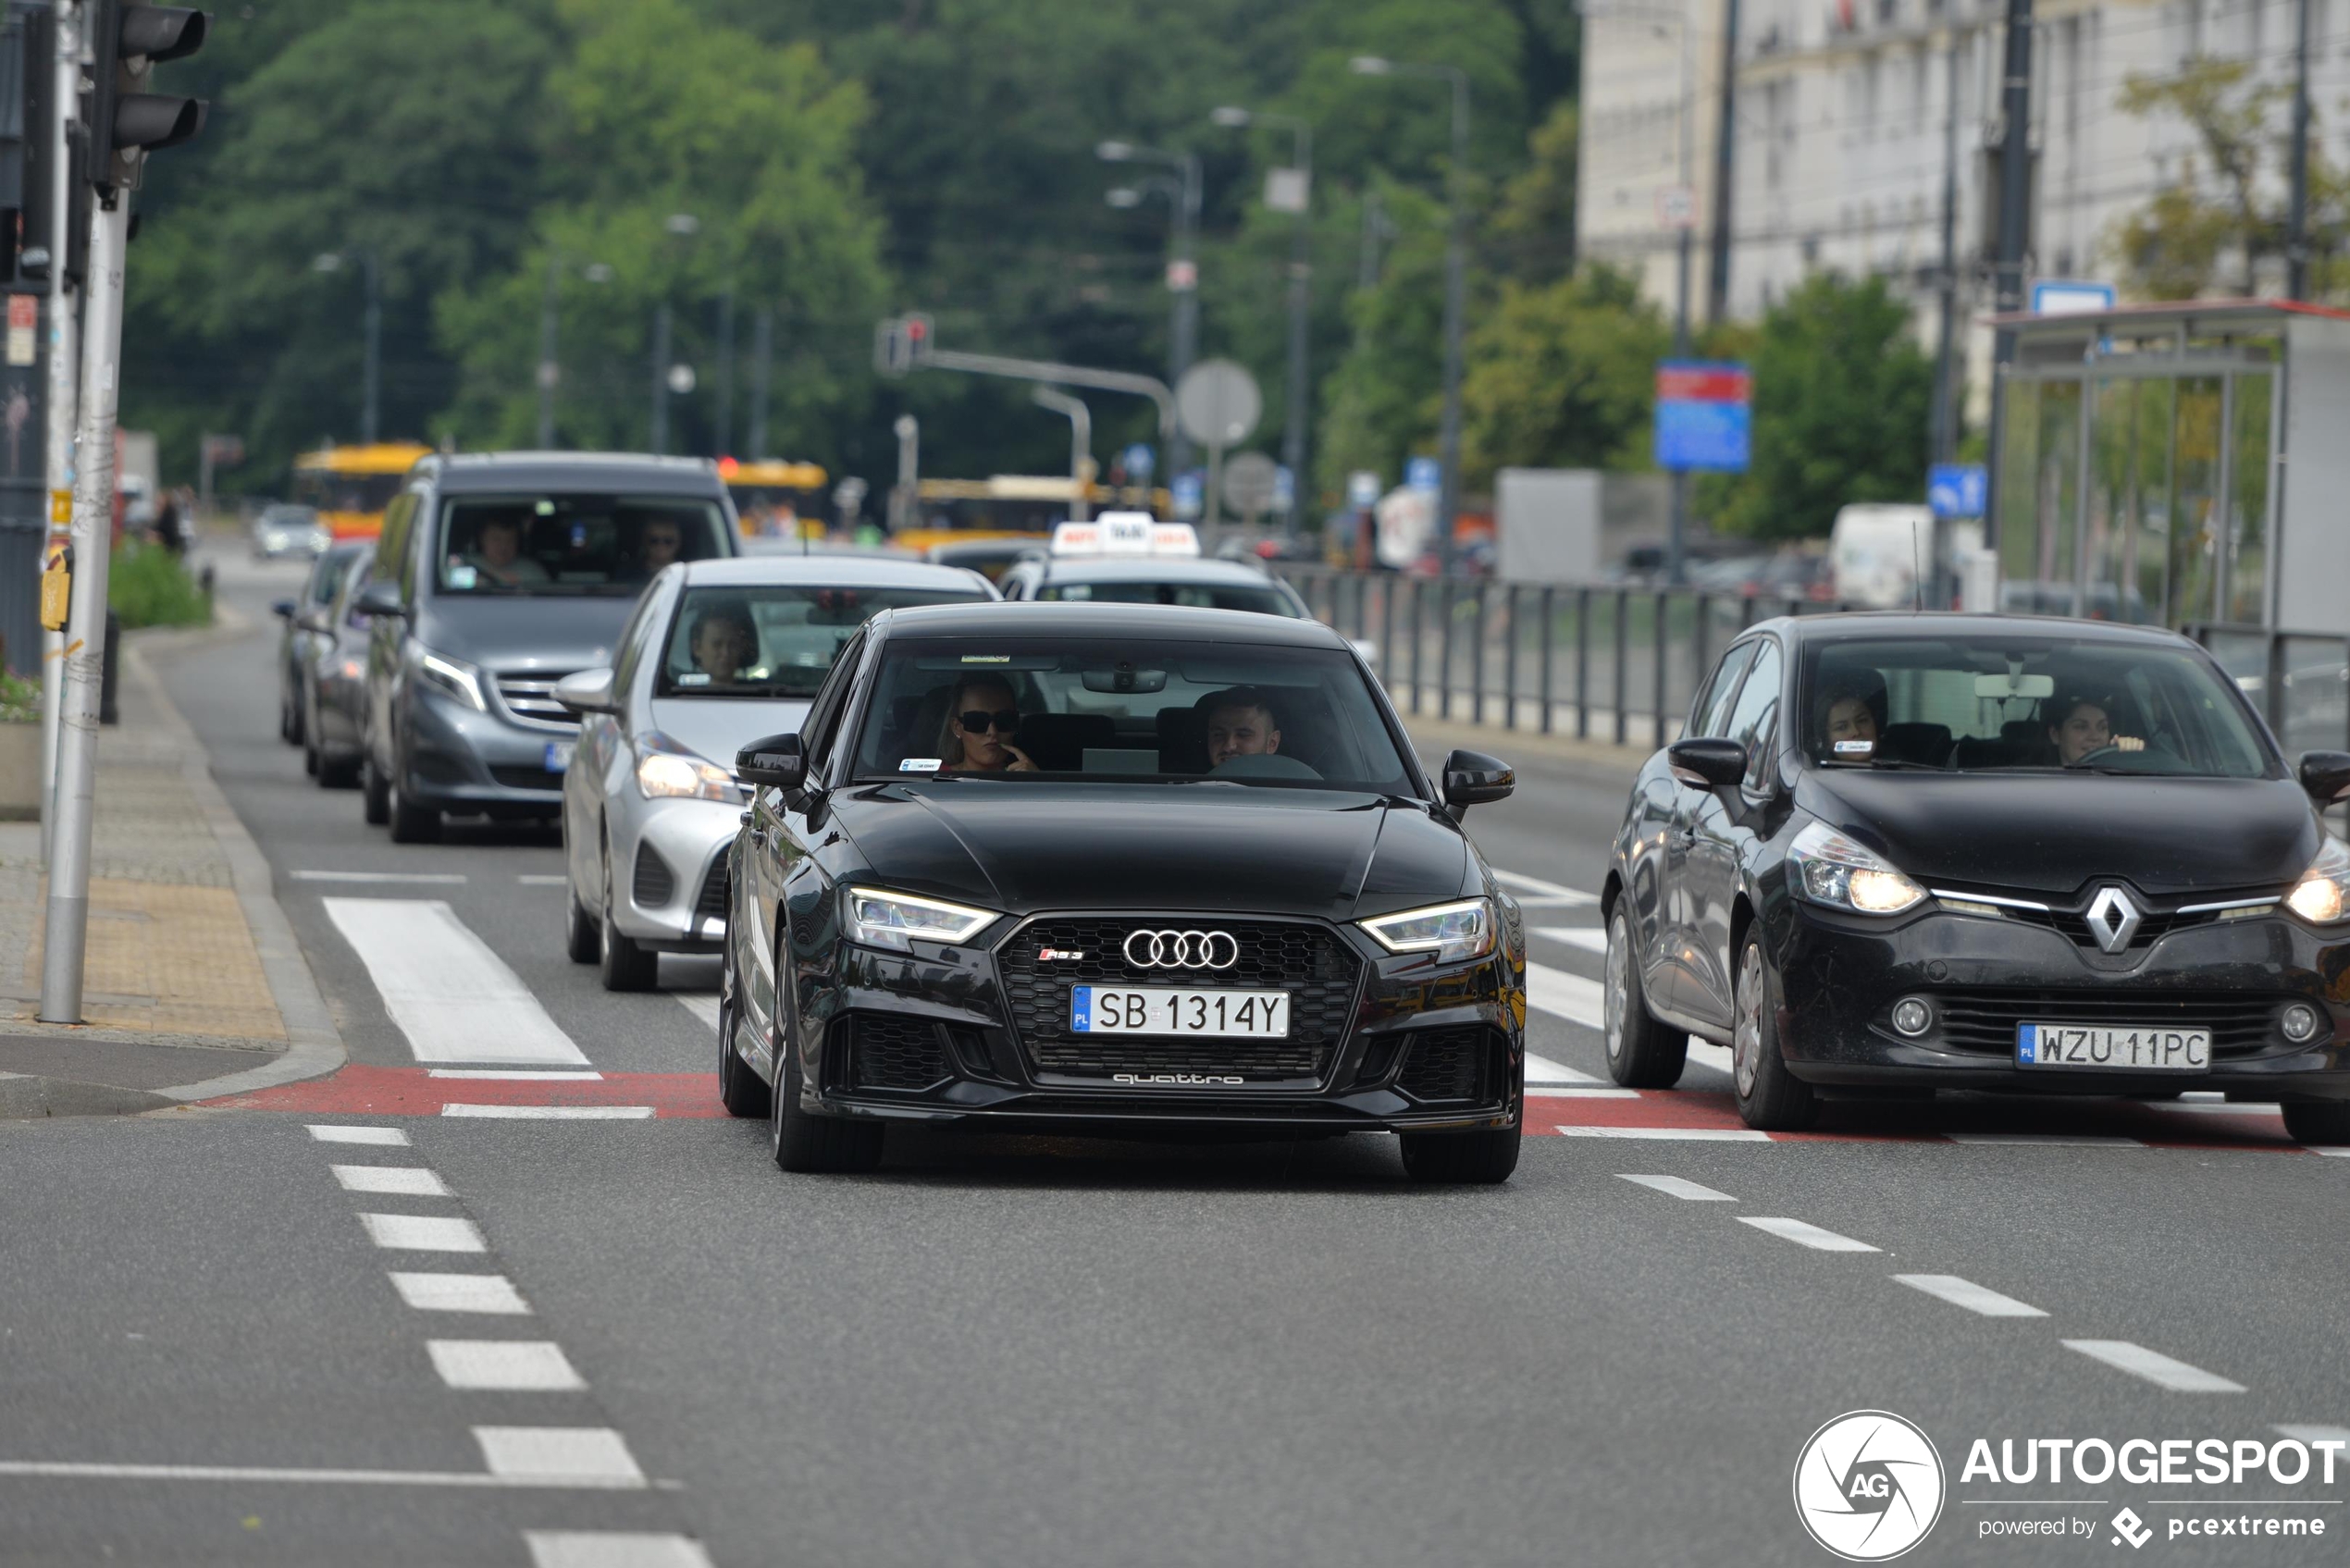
(981, 723)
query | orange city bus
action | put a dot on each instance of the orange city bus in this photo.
(1009, 506)
(349, 486)
(775, 498)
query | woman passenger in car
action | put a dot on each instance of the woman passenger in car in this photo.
(981, 722)
(2083, 725)
(1851, 722)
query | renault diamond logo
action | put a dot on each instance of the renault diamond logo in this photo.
(1183, 950)
(2113, 920)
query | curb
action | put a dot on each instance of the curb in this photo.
(24, 1095)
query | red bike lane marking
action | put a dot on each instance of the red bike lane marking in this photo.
(412, 1091)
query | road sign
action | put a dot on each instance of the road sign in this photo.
(681, 378)
(1361, 490)
(1182, 276)
(2069, 296)
(1704, 415)
(1217, 402)
(1284, 489)
(1955, 489)
(24, 324)
(1187, 490)
(1139, 460)
(1424, 473)
(1288, 189)
(1675, 207)
(1250, 478)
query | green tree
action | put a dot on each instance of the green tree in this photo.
(1532, 234)
(1562, 376)
(1840, 396)
(1382, 402)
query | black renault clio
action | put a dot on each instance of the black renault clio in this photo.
(1127, 866)
(1921, 852)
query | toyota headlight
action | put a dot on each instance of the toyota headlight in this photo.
(894, 919)
(452, 677)
(667, 771)
(1452, 932)
(2322, 895)
(1831, 869)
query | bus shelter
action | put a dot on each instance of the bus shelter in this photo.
(2187, 464)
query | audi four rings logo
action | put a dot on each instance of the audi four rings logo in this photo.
(1183, 950)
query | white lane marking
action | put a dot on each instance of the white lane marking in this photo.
(1967, 1293)
(461, 1292)
(2154, 1366)
(2050, 1139)
(1589, 938)
(1804, 1234)
(1565, 995)
(423, 1233)
(1580, 1091)
(612, 1549)
(331, 1132)
(1676, 1187)
(242, 1474)
(544, 879)
(703, 1004)
(2325, 1149)
(552, 1113)
(2202, 1095)
(454, 999)
(2227, 1108)
(531, 1365)
(1545, 892)
(1541, 1069)
(2316, 1434)
(1674, 1134)
(419, 879)
(549, 1452)
(407, 1181)
(517, 1075)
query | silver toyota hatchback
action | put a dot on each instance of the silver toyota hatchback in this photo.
(717, 654)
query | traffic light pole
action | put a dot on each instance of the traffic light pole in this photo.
(67, 925)
(63, 340)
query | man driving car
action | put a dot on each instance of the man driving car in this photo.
(1240, 723)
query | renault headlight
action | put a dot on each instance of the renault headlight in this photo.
(2322, 895)
(1452, 932)
(1830, 868)
(894, 919)
(452, 677)
(667, 771)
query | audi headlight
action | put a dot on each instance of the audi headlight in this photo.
(2322, 895)
(1831, 869)
(667, 771)
(894, 919)
(453, 677)
(1452, 932)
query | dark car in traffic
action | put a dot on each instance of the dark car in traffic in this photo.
(496, 575)
(333, 694)
(1917, 852)
(1119, 867)
(297, 637)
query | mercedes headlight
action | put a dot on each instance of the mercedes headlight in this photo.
(2322, 895)
(1452, 932)
(1831, 869)
(894, 919)
(667, 771)
(453, 677)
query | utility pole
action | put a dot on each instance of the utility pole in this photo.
(1717, 283)
(2297, 244)
(762, 354)
(1183, 270)
(1942, 439)
(548, 371)
(904, 495)
(1297, 191)
(65, 96)
(660, 442)
(723, 443)
(371, 410)
(2015, 222)
(127, 124)
(1081, 444)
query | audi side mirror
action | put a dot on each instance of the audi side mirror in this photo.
(380, 598)
(2325, 775)
(589, 691)
(1706, 762)
(1471, 778)
(776, 762)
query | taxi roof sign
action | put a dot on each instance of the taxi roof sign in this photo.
(1125, 532)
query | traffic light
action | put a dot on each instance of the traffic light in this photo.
(902, 343)
(127, 122)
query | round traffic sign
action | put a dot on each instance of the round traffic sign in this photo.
(1217, 402)
(1250, 481)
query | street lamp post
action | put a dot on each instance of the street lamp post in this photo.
(1080, 445)
(680, 225)
(1182, 271)
(1301, 272)
(549, 368)
(370, 407)
(1455, 283)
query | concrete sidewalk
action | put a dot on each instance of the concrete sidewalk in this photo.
(194, 985)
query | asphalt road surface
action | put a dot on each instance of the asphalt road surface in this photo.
(398, 1318)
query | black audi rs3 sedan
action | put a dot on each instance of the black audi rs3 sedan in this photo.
(1911, 852)
(1169, 872)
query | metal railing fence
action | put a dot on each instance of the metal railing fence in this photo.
(2300, 681)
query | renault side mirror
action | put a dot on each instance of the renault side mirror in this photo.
(1471, 778)
(1706, 761)
(589, 691)
(2325, 775)
(380, 598)
(283, 609)
(776, 762)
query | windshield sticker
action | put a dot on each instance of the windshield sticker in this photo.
(922, 764)
(987, 658)
(1854, 747)
(462, 577)
(697, 678)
